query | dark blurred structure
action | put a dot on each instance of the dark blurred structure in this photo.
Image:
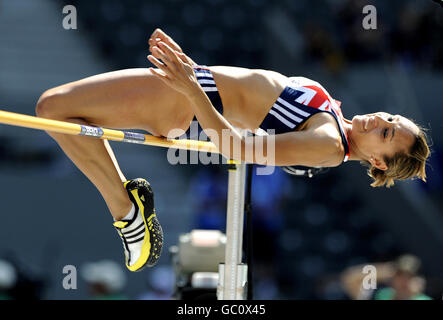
(306, 230)
(195, 260)
(207, 197)
(18, 283)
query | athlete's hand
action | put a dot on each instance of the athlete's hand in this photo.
(173, 69)
(160, 36)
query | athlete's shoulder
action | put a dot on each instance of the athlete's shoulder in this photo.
(302, 81)
(325, 128)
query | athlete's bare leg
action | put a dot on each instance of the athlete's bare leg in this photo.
(126, 99)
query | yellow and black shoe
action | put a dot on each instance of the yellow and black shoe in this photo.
(142, 235)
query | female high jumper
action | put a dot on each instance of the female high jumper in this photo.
(310, 129)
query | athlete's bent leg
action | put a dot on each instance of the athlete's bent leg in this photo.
(131, 98)
(124, 99)
(95, 158)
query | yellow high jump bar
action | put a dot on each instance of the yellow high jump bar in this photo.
(21, 120)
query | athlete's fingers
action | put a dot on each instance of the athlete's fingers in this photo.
(160, 65)
(155, 34)
(183, 57)
(159, 54)
(154, 38)
(170, 53)
(177, 83)
(169, 69)
(161, 75)
(151, 43)
(154, 41)
(158, 72)
(159, 35)
(170, 42)
(179, 59)
(180, 73)
(187, 58)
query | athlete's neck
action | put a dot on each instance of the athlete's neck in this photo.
(355, 153)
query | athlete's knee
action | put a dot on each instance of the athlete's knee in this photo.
(48, 105)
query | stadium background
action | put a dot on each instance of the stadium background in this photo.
(307, 231)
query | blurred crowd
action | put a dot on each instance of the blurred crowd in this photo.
(102, 280)
(407, 32)
(398, 279)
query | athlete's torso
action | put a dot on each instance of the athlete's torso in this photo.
(249, 94)
(254, 99)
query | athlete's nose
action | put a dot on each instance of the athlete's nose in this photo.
(383, 120)
(372, 123)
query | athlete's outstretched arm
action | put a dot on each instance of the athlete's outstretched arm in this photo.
(309, 148)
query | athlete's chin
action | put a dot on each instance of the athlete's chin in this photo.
(358, 124)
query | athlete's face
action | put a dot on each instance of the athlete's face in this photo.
(381, 134)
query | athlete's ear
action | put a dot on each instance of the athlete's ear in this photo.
(378, 163)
